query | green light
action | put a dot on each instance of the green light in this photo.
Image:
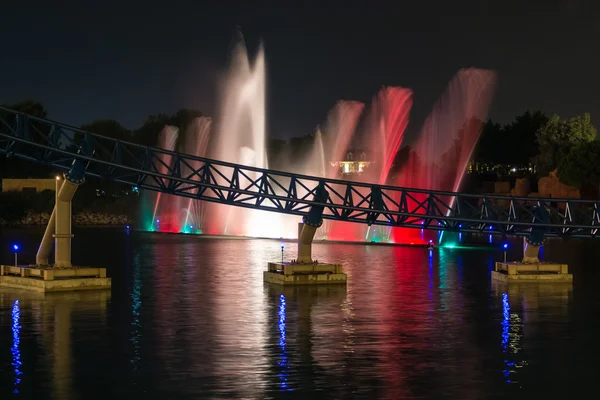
(450, 245)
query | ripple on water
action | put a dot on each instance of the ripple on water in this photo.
(191, 318)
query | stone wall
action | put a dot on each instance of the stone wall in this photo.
(83, 218)
(551, 186)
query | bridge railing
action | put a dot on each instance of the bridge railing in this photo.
(55, 144)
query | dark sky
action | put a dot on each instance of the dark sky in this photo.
(105, 59)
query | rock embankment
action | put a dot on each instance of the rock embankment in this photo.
(83, 218)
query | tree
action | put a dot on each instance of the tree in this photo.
(13, 206)
(109, 128)
(581, 166)
(489, 146)
(16, 168)
(148, 133)
(521, 134)
(557, 137)
(511, 144)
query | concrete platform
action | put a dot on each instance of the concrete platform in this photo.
(304, 274)
(541, 272)
(48, 279)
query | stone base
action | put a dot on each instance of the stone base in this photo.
(540, 272)
(304, 274)
(48, 279)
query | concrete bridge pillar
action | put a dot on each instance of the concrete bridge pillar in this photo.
(306, 234)
(531, 253)
(59, 225)
(309, 225)
(63, 235)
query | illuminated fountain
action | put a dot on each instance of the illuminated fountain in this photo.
(340, 126)
(196, 139)
(239, 138)
(436, 160)
(167, 139)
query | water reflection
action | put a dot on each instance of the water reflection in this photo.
(308, 335)
(511, 339)
(16, 353)
(51, 314)
(192, 318)
(283, 363)
(136, 305)
(523, 304)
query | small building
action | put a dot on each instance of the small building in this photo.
(30, 186)
(355, 162)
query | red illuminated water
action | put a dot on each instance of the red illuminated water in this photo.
(439, 157)
(167, 140)
(386, 123)
(342, 121)
(436, 159)
(174, 213)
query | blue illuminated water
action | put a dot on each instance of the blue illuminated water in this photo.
(190, 318)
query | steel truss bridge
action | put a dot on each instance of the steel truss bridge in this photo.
(57, 145)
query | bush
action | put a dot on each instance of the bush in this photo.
(13, 206)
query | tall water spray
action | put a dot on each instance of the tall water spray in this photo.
(439, 157)
(167, 139)
(174, 213)
(340, 127)
(196, 140)
(240, 139)
(381, 137)
(389, 119)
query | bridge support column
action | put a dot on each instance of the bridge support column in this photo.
(59, 225)
(62, 276)
(306, 234)
(531, 253)
(304, 270)
(43, 254)
(63, 235)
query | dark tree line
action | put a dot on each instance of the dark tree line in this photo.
(567, 145)
(511, 144)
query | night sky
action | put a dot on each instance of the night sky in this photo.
(128, 59)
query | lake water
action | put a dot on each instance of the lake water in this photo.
(190, 318)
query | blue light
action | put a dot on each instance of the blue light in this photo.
(157, 221)
(505, 245)
(191, 226)
(16, 352)
(283, 361)
(460, 225)
(127, 227)
(16, 247)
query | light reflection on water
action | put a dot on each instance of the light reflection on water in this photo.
(16, 353)
(191, 318)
